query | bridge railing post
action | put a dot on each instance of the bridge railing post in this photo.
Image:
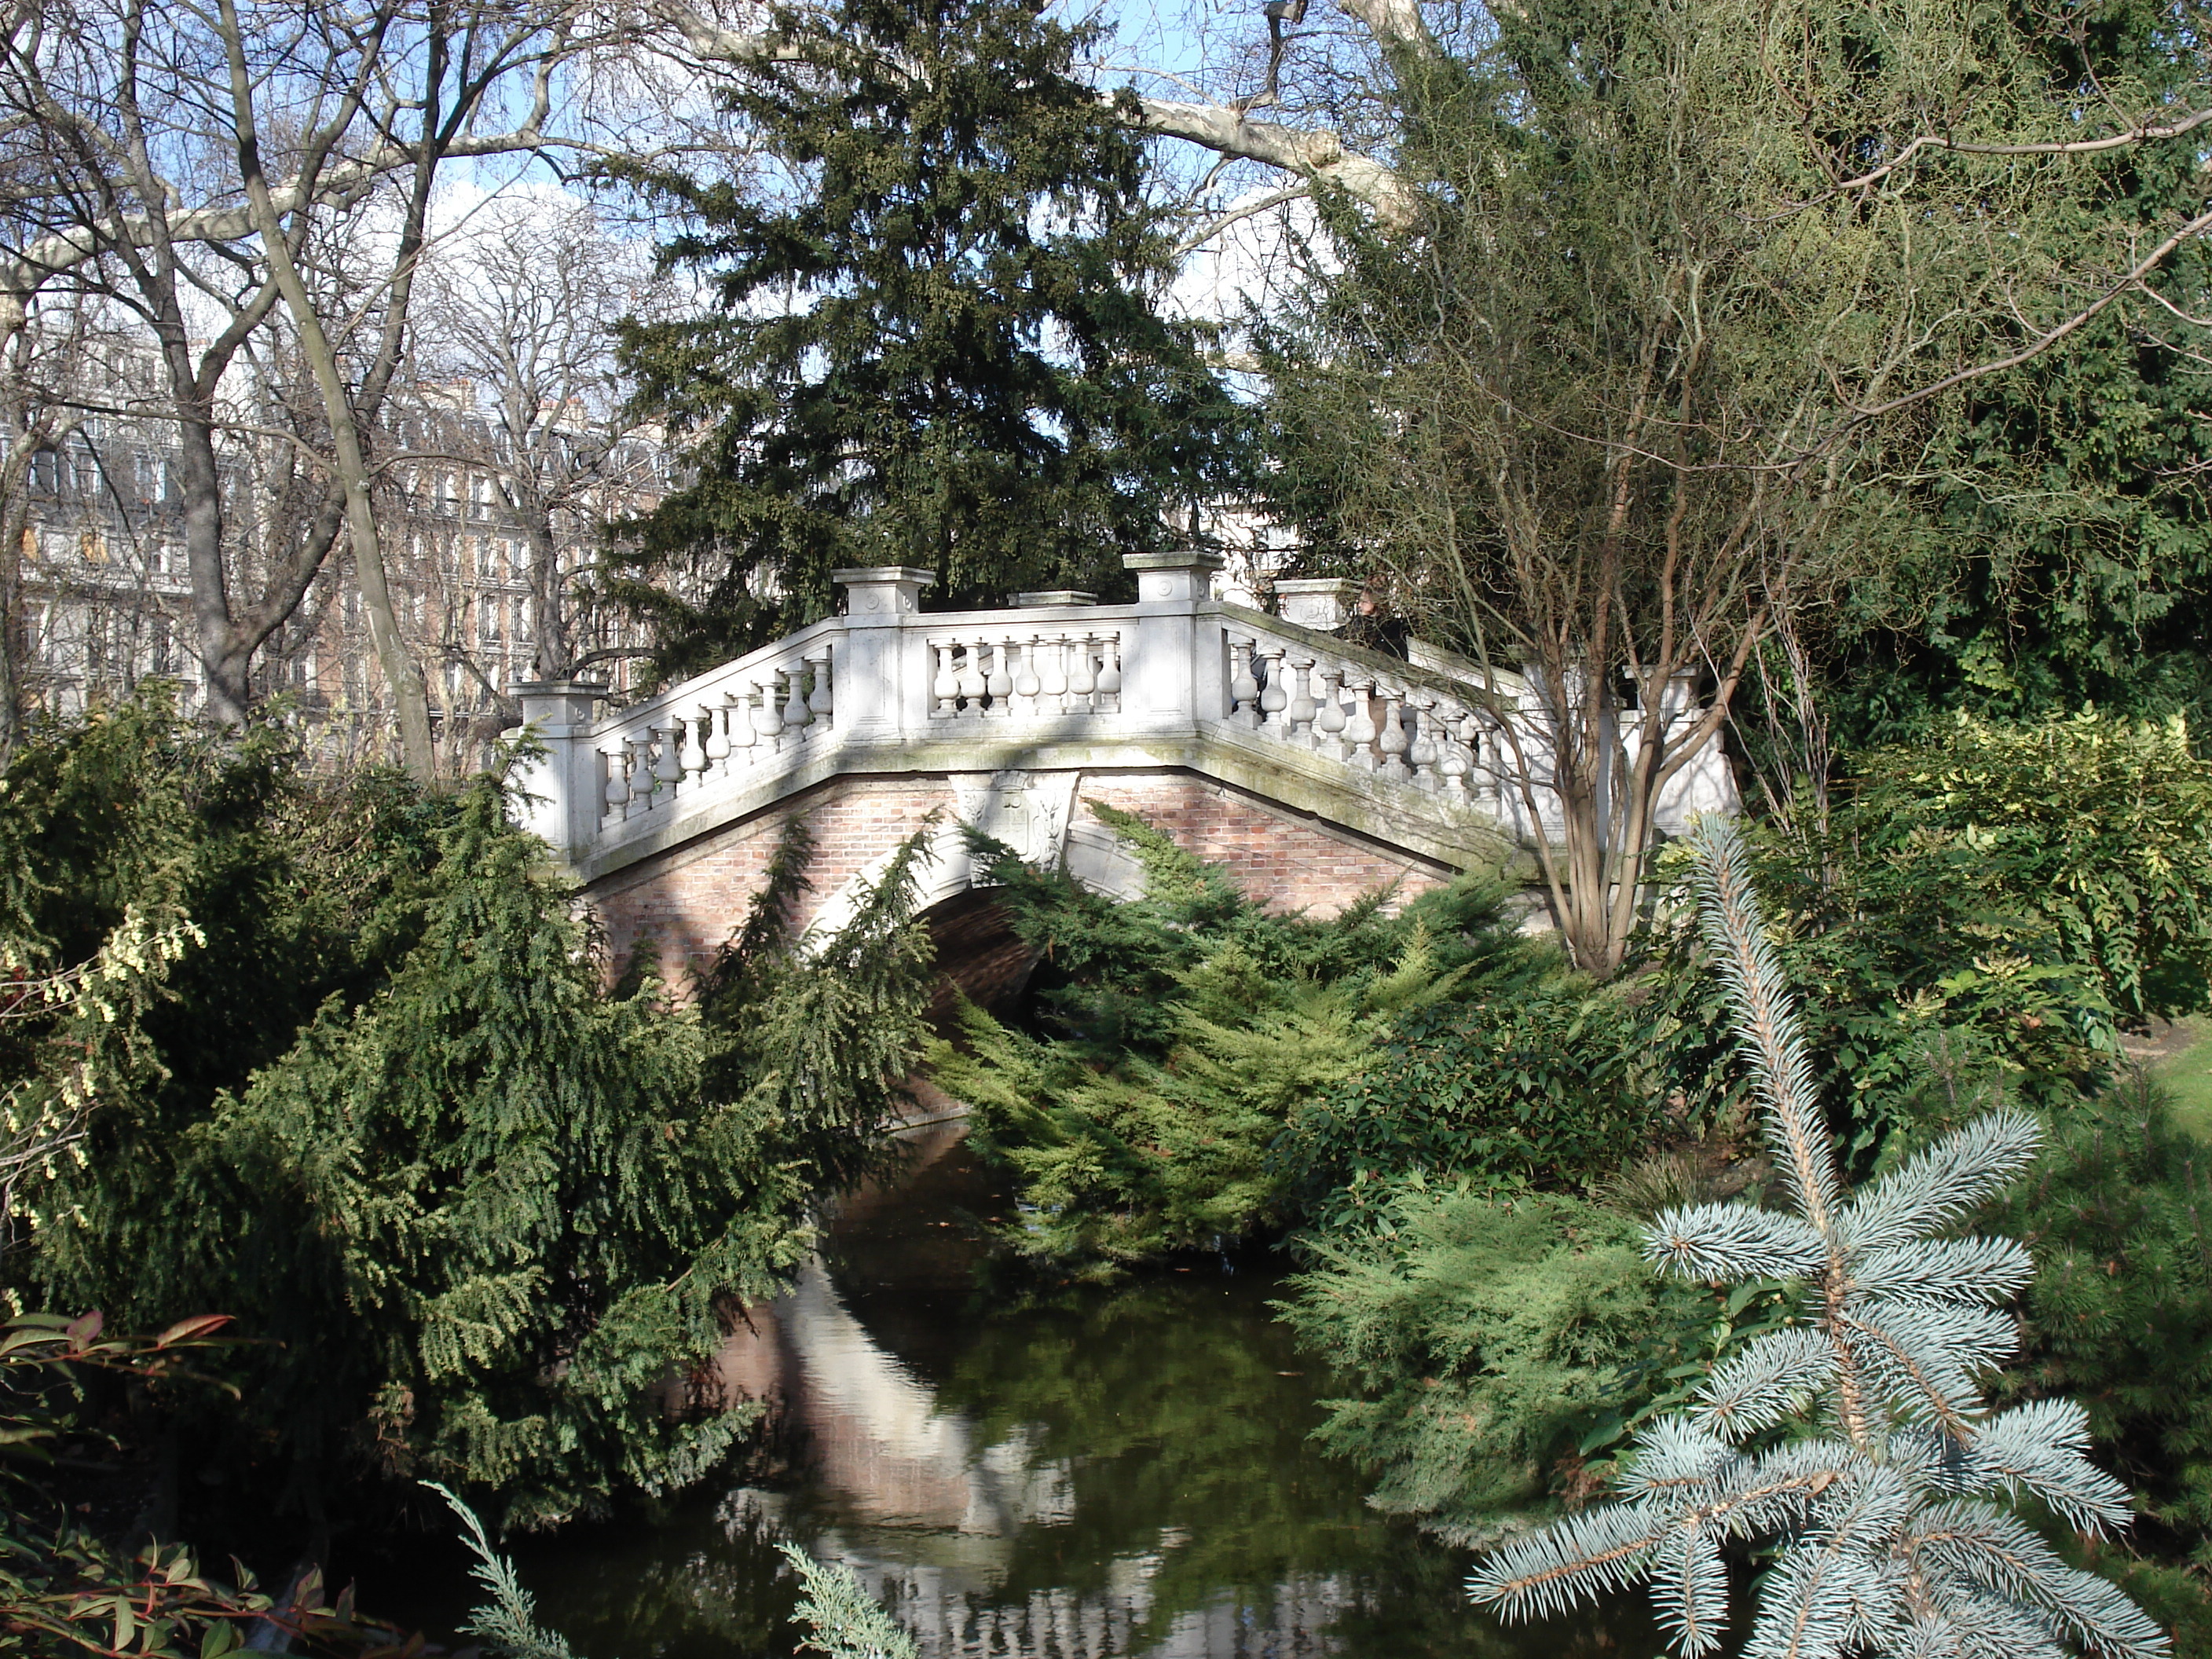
(557, 793)
(883, 686)
(1173, 672)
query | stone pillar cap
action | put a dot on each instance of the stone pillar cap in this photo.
(885, 573)
(1316, 585)
(1190, 558)
(558, 688)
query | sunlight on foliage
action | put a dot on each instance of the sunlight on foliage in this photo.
(1858, 1442)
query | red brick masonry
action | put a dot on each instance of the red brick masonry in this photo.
(688, 900)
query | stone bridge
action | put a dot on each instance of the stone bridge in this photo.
(1314, 770)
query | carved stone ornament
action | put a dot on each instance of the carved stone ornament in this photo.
(1027, 810)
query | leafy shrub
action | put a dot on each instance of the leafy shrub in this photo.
(2118, 1214)
(2000, 900)
(1544, 1086)
(64, 1588)
(2098, 828)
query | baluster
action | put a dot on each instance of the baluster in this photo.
(642, 783)
(797, 716)
(1486, 740)
(1053, 684)
(1000, 686)
(668, 762)
(1109, 670)
(1026, 683)
(1424, 753)
(768, 720)
(738, 721)
(819, 701)
(1276, 696)
(1298, 718)
(1453, 761)
(947, 685)
(717, 746)
(972, 680)
(1085, 680)
(1392, 740)
(618, 790)
(1329, 723)
(694, 756)
(1360, 731)
(1243, 689)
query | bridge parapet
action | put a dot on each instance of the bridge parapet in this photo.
(1417, 757)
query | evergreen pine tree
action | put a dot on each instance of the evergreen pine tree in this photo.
(933, 339)
(504, 1187)
(1857, 1442)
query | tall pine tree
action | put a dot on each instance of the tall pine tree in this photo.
(934, 337)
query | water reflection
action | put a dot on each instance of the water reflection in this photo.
(1084, 1475)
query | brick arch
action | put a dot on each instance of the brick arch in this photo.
(682, 903)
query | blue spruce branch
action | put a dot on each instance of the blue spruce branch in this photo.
(1885, 1497)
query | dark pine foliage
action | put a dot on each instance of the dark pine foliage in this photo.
(933, 339)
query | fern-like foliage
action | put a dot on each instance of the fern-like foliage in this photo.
(508, 1622)
(1857, 1443)
(841, 1618)
(846, 1621)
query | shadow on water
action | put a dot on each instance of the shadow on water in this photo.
(1073, 1474)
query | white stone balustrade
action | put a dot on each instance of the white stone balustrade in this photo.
(1176, 679)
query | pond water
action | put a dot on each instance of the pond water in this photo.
(1077, 1473)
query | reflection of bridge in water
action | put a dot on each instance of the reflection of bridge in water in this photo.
(930, 1510)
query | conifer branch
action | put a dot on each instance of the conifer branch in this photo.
(1877, 1495)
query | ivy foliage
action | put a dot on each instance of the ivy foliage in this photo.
(1172, 1097)
(936, 345)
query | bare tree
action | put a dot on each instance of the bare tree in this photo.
(190, 155)
(1678, 307)
(516, 317)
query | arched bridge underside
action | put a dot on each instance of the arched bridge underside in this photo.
(1313, 771)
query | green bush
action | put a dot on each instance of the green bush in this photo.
(1486, 1334)
(1185, 1032)
(1997, 903)
(380, 1103)
(2097, 828)
(1546, 1086)
(2118, 1214)
(1125, 1161)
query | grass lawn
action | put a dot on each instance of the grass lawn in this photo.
(2189, 1075)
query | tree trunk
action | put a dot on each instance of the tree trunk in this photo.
(403, 675)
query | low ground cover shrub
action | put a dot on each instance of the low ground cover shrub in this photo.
(1484, 1333)
(1545, 1085)
(1201, 1071)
